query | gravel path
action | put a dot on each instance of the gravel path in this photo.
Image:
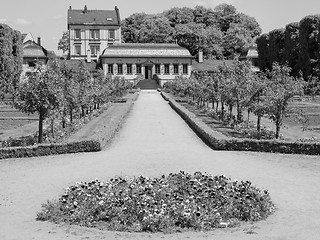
(154, 140)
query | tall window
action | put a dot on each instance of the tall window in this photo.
(138, 68)
(110, 68)
(175, 68)
(185, 68)
(157, 70)
(111, 34)
(120, 68)
(95, 34)
(94, 50)
(166, 69)
(77, 49)
(129, 68)
(77, 34)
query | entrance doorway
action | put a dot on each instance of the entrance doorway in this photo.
(148, 72)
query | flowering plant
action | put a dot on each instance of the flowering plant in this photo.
(168, 203)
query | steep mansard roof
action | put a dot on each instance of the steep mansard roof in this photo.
(93, 17)
(145, 50)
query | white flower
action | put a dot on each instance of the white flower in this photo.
(101, 202)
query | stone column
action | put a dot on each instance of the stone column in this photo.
(134, 69)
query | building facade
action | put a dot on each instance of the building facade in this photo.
(34, 53)
(91, 31)
(130, 60)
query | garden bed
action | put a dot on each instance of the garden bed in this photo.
(90, 136)
(219, 141)
(170, 203)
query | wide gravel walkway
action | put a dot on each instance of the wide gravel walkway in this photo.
(153, 141)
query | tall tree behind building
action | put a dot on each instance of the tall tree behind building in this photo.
(220, 33)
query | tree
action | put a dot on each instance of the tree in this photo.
(10, 60)
(35, 95)
(291, 48)
(235, 41)
(64, 44)
(194, 29)
(309, 44)
(263, 51)
(156, 29)
(179, 15)
(130, 27)
(281, 88)
(276, 45)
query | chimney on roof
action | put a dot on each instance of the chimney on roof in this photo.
(200, 55)
(70, 8)
(39, 41)
(85, 9)
(118, 14)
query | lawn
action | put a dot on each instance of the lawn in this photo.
(11, 119)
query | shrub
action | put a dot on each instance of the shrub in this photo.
(179, 200)
(50, 149)
(250, 131)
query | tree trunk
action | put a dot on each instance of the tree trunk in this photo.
(71, 115)
(230, 109)
(64, 118)
(41, 118)
(259, 124)
(52, 127)
(82, 111)
(239, 113)
(222, 110)
(278, 125)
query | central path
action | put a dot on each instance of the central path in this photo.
(154, 140)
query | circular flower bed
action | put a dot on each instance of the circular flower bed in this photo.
(168, 203)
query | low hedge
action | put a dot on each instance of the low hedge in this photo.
(49, 149)
(219, 141)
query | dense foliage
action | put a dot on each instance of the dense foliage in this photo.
(298, 45)
(10, 60)
(220, 33)
(168, 203)
(236, 86)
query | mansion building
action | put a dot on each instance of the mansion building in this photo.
(91, 31)
(95, 35)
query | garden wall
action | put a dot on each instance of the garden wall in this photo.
(219, 141)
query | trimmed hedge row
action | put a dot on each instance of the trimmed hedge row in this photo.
(49, 149)
(219, 141)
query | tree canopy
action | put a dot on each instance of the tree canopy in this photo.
(220, 33)
(10, 59)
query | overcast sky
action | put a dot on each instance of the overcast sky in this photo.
(47, 18)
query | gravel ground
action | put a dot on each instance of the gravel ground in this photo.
(154, 140)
